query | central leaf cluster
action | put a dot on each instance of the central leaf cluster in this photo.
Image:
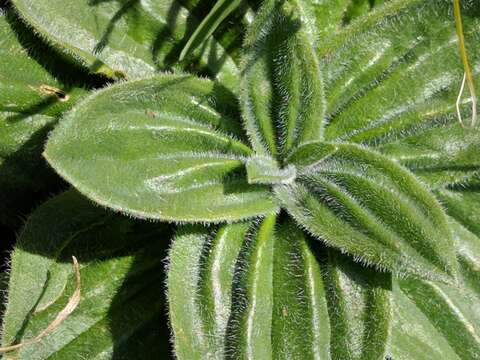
(265, 170)
(173, 148)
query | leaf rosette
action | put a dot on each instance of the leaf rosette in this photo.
(334, 144)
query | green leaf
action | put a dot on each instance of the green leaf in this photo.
(282, 97)
(359, 308)
(31, 98)
(358, 8)
(209, 24)
(327, 17)
(392, 80)
(120, 313)
(265, 170)
(439, 155)
(448, 314)
(127, 38)
(161, 148)
(250, 334)
(324, 19)
(365, 204)
(463, 207)
(199, 331)
(433, 319)
(414, 336)
(257, 290)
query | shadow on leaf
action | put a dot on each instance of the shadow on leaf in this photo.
(122, 311)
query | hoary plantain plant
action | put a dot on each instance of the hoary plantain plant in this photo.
(320, 193)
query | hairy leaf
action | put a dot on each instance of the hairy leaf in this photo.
(351, 120)
(324, 19)
(282, 97)
(257, 290)
(31, 97)
(327, 17)
(200, 331)
(437, 320)
(392, 80)
(358, 8)
(448, 314)
(162, 148)
(124, 38)
(264, 170)
(250, 330)
(439, 155)
(463, 207)
(121, 306)
(363, 203)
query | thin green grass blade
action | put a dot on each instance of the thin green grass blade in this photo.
(219, 12)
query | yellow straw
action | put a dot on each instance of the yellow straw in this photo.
(468, 77)
(62, 315)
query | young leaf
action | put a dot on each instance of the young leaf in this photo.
(162, 148)
(121, 307)
(30, 100)
(124, 38)
(448, 314)
(264, 170)
(365, 204)
(282, 95)
(250, 291)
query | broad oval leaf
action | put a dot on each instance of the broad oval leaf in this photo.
(365, 204)
(121, 310)
(33, 93)
(125, 38)
(161, 148)
(392, 79)
(258, 290)
(282, 96)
